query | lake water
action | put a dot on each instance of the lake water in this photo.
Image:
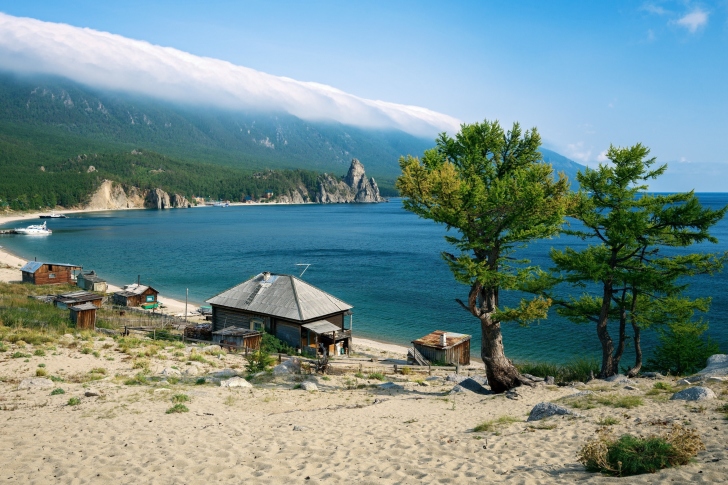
(377, 257)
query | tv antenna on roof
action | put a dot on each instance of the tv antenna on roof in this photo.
(304, 269)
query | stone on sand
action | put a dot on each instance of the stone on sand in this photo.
(235, 382)
(545, 409)
(696, 393)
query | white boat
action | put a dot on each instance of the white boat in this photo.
(35, 230)
(53, 215)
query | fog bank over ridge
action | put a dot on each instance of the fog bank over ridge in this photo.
(110, 61)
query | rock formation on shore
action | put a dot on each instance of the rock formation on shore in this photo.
(353, 187)
(112, 196)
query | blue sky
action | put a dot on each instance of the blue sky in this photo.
(587, 74)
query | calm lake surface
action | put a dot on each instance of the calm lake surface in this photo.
(377, 257)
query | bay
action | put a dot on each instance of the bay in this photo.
(377, 257)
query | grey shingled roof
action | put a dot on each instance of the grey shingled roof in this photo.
(283, 296)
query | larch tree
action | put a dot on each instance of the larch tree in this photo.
(626, 274)
(492, 189)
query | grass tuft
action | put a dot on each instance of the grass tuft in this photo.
(74, 401)
(57, 391)
(376, 376)
(631, 455)
(177, 408)
(180, 398)
(494, 424)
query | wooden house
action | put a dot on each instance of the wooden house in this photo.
(67, 300)
(137, 295)
(296, 312)
(444, 347)
(89, 280)
(49, 273)
(84, 316)
(238, 338)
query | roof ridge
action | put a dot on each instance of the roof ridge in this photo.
(295, 297)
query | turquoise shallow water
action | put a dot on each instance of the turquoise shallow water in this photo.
(379, 258)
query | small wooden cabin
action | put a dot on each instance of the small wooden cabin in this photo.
(49, 273)
(89, 280)
(444, 347)
(67, 300)
(296, 312)
(84, 316)
(238, 338)
(137, 295)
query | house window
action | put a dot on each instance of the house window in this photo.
(51, 275)
(256, 324)
(150, 297)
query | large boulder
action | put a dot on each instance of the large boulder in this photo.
(309, 386)
(290, 366)
(717, 365)
(235, 382)
(696, 393)
(546, 409)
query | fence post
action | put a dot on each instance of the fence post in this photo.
(429, 369)
(395, 368)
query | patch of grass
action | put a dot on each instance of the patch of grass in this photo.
(96, 354)
(41, 365)
(631, 455)
(543, 425)
(180, 398)
(579, 370)
(41, 372)
(376, 376)
(591, 401)
(56, 378)
(3, 348)
(57, 391)
(87, 350)
(141, 364)
(359, 375)
(19, 355)
(138, 380)
(98, 370)
(177, 408)
(664, 386)
(39, 352)
(194, 356)
(74, 401)
(230, 400)
(607, 421)
(200, 381)
(494, 424)
(406, 371)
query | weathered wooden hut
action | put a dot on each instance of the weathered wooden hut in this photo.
(67, 300)
(49, 273)
(137, 295)
(89, 280)
(84, 315)
(238, 338)
(444, 347)
(296, 312)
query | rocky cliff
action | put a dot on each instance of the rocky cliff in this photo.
(353, 187)
(112, 196)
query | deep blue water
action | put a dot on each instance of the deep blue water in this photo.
(377, 257)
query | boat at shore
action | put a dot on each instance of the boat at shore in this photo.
(52, 215)
(35, 230)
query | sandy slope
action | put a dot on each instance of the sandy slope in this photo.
(275, 433)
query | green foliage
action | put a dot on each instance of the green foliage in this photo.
(39, 353)
(631, 455)
(493, 425)
(377, 376)
(180, 398)
(19, 355)
(273, 345)
(258, 361)
(682, 349)
(638, 283)
(177, 408)
(74, 401)
(57, 391)
(577, 370)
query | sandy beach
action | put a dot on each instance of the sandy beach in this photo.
(109, 424)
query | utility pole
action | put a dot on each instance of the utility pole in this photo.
(187, 293)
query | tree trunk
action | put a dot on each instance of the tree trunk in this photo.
(621, 343)
(502, 374)
(637, 345)
(603, 334)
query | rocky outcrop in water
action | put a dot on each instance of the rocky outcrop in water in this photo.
(353, 187)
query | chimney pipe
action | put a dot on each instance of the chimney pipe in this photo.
(443, 339)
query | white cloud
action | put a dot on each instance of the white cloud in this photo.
(694, 20)
(111, 61)
(577, 151)
(602, 157)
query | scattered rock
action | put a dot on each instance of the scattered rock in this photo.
(716, 379)
(581, 394)
(696, 393)
(309, 386)
(455, 378)
(717, 365)
(683, 382)
(224, 373)
(92, 393)
(35, 383)
(192, 370)
(235, 382)
(545, 409)
(163, 389)
(169, 372)
(512, 394)
(550, 381)
(533, 378)
(631, 388)
(652, 375)
(299, 428)
(291, 366)
(211, 349)
(458, 388)
(434, 378)
(390, 386)
(619, 379)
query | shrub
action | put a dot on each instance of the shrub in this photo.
(74, 401)
(630, 455)
(200, 381)
(39, 352)
(258, 361)
(177, 408)
(273, 345)
(682, 349)
(608, 421)
(179, 398)
(41, 372)
(377, 376)
(19, 355)
(137, 380)
(57, 391)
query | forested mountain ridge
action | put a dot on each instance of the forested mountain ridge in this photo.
(53, 130)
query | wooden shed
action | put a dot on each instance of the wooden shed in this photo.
(444, 347)
(137, 295)
(89, 280)
(67, 300)
(284, 306)
(238, 338)
(84, 316)
(49, 273)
